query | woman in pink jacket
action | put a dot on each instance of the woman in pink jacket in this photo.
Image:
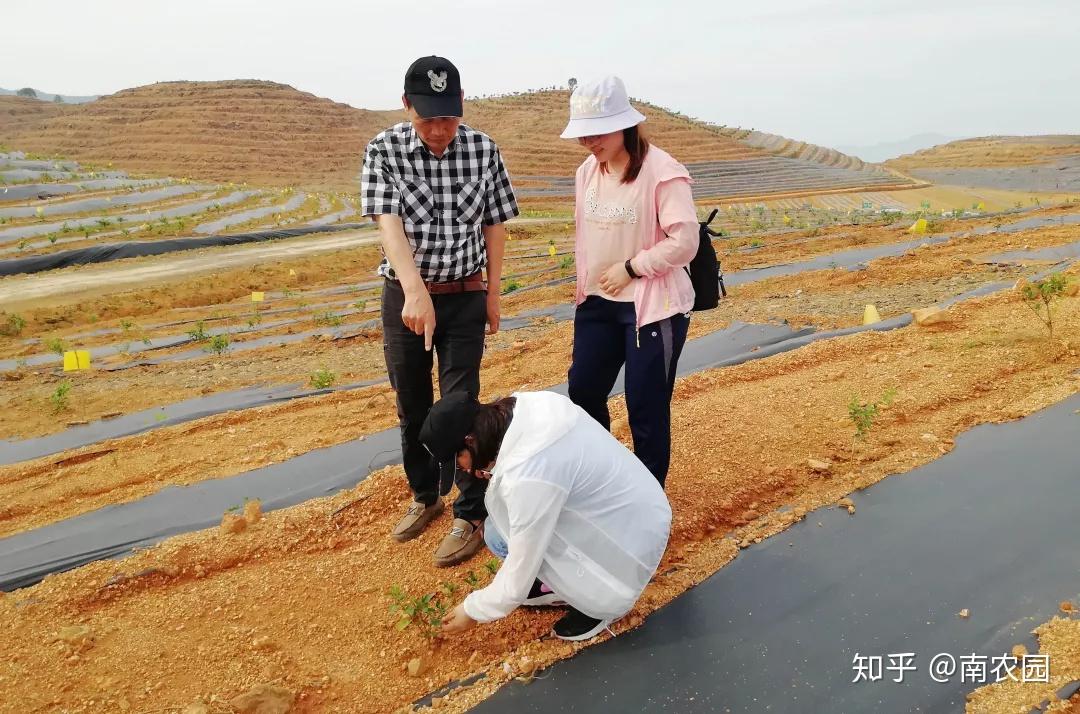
(637, 230)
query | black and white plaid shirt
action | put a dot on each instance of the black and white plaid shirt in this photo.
(443, 202)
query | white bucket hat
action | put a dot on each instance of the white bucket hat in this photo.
(600, 107)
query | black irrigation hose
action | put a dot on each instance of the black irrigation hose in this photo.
(135, 249)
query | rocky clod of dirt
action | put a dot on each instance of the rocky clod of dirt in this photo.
(253, 512)
(929, 316)
(1067, 606)
(418, 666)
(1072, 289)
(78, 637)
(820, 467)
(263, 699)
(233, 523)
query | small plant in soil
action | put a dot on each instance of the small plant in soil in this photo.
(863, 414)
(198, 333)
(322, 378)
(56, 345)
(218, 344)
(511, 286)
(13, 326)
(329, 319)
(492, 566)
(1041, 296)
(472, 580)
(426, 612)
(59, 398)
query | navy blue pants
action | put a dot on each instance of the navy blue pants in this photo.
(605, 338)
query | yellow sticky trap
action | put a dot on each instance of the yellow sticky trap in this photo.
(870, 315)
(258, 297)
(981, 206)
(787, 220)
(74, 360)
(918, 226)
(552, 251)
(292, 273)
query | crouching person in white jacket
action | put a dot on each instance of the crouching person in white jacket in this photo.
(575, 516)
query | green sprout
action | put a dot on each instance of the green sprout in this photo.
(425, 612)
(863, 414)
(59, 398)
(218, 344)
(198, 333)
(322, 378)
(1041, 296)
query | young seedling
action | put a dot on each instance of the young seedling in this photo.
(218, 344)
(329, 319)
(511, 286)
(472, 580)
(1041, 296)
(322, 378)
(426, 612)
(56, 345)
(14, 326)
(863, 414)
(198, 333)
(59, 398)
(566, 263)
(492, 566)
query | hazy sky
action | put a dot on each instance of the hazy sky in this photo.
(834, 72)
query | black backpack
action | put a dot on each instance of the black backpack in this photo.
(704, 269)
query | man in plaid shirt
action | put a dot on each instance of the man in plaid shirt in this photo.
(440, 194)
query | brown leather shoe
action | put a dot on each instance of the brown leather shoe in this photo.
(415, 519)
(460, 544)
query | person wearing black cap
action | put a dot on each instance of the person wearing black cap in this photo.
(440, 193)
(577, 519)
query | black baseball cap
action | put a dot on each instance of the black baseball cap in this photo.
(433, 87)
(448, 423)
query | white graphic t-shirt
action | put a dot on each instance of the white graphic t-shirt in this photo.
(611, 218)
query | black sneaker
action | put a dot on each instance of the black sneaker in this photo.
(541, 595)
(577, 626)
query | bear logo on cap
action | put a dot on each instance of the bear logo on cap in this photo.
(438, 81)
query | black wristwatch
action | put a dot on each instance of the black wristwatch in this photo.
(630, 270)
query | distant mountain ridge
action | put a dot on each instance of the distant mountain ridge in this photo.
(876, 153)
(46, 97)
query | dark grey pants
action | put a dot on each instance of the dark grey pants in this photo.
(459, 342)
(606, 339)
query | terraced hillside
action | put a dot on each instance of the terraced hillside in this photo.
(272, 134)
(1014, 163)
(20, 113)
(991, 152)
(253, 131)
(724, 162)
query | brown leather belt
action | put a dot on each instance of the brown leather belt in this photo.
(469, 284)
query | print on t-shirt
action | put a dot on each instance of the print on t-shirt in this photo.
(608, 212)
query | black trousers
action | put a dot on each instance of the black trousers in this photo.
(459, 342)
(606, 339)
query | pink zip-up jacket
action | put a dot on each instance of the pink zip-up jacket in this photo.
(664, 288)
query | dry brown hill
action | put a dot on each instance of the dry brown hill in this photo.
(527, 128)
(991, 152)
(254, 131)
(273, 134)
(20, 113)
